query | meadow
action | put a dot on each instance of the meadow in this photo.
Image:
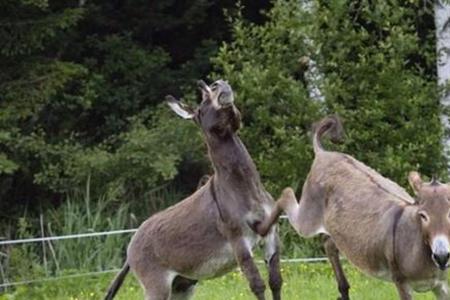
(76, 256)
(301, 281)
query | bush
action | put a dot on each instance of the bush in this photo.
(377, 64)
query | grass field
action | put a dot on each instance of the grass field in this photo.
(301, 281)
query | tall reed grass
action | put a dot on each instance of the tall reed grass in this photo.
(80, 213)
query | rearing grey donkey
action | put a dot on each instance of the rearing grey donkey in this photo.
(371, 220)
(207, 234)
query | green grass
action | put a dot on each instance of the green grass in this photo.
(301, 281)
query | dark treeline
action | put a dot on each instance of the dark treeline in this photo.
(80, 79)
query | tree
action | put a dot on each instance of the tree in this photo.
(441, 19)
(29, 82)
(81, 90)
(378, 65)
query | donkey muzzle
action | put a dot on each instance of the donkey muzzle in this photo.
(225, 98)
(440, 252)
(225, 94)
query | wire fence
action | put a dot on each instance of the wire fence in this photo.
(74, 236)
(65, 237)
(7, 284)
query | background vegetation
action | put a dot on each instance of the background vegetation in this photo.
(86, 144)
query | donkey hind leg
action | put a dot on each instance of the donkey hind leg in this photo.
(182, 288)
(305, 226)
(306, 216)
(272, 259)
(157, 285)
(244, 258)
(333, 256)
(441, 291)
(288, 203)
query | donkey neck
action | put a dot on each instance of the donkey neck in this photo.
(231, 159)
(412, 252)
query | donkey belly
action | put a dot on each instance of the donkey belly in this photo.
(222, 260)
(360, 224)
(219, 262)
(369, 263)
(362, 244)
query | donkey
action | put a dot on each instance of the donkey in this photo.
(371, 220)
(210, 232)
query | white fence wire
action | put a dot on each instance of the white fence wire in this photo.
(73, 236)
(7, 284)
(65, 237)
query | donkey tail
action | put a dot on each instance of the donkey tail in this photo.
(118, 280)
(330, 125)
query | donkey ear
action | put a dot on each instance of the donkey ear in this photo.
(180, 108)
(415, 181)
(205, 90)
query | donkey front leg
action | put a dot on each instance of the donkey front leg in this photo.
(403, 289)
(245, 260)
(333, 256)
(441, 291)
(272, 258)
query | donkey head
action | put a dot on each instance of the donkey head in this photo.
(216, 114)
(433, 201)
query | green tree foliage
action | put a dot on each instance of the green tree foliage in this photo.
(81, 89)
(29, 83)
(378, 65)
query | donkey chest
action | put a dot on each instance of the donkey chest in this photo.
(425, 285)
(426, 278)
(218, 263)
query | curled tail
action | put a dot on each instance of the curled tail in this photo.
(330, 125)
(115, 285)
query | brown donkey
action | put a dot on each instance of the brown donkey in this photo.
(207, 234)
(372, 221)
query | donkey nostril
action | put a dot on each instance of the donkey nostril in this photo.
(441, 260)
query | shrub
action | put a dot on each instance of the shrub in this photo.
(377, 71)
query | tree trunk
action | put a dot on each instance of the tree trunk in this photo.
(442, 22)
(313, 76)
